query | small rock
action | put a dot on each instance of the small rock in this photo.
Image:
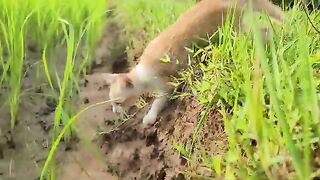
(68, 148)
(1, 152)
(136, 155)
(152, 138)
(161, 155)
(52, 104)
(45, 126)
(39, 90)
(155, 153)
(86, 100)
(183, 161)
(85, 84)
(11, 144)
(162, 174)
(180, 176)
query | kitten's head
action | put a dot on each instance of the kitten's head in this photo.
(123, 93)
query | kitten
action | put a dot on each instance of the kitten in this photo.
(159, 60)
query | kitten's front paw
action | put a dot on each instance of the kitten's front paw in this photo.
(149, 119)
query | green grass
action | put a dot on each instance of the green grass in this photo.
(48, 27)
(273, 92)
(37, 24)
(267, 94)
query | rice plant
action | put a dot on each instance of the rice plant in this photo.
(37, 24)
(48, 28)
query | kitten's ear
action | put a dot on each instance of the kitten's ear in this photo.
(127, 82)
(109, 78)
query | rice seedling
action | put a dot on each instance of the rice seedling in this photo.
(13, 38)
(47, 28)
(37, 24)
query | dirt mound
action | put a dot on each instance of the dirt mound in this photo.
(133, 151)
(149, 153)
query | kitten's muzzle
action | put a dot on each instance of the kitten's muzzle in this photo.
(117, 109)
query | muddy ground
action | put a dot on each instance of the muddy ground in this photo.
(108, 148)
(24, 149)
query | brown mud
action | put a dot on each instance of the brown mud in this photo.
(24, 150)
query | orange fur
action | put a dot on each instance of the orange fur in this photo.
(152, 73)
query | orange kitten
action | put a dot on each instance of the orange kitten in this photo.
(152, 73)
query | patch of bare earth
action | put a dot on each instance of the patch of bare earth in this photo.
(136, 152)
(24, 149)
(84, 160)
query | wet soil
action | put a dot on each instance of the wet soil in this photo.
(24, 149)
(84, 160)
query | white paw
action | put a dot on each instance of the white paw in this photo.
(149, 119)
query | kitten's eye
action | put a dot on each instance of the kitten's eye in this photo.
(118, 104)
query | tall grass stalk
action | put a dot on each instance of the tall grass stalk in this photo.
(57, 141)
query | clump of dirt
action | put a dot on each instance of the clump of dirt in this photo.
(136, 152)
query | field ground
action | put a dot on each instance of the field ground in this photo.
(233, 116)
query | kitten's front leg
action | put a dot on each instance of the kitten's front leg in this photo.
(156, 107)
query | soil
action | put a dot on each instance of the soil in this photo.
(109, 148)
(24, 149)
